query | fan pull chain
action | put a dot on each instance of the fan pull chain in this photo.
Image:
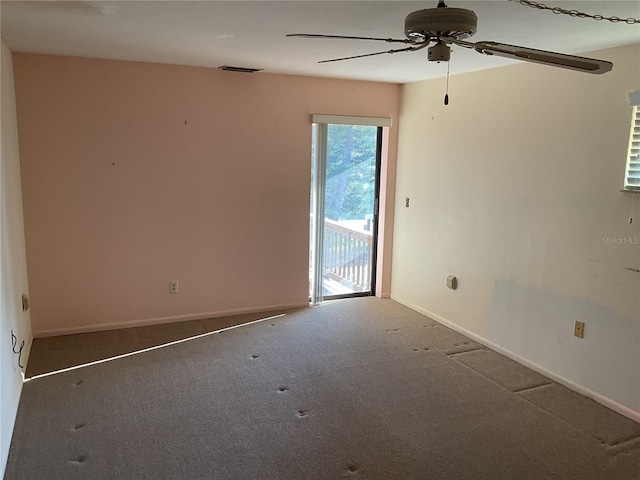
(576, 13)
(446, 93)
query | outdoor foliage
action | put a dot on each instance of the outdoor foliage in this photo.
(351, 168)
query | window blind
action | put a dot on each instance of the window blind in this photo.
(632, 173)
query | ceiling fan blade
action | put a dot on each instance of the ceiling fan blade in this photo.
(572, 62)
(408, 49)
(346, 37)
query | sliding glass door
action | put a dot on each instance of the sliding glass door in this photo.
(344, 210)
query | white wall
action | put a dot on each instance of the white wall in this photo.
(14, 264)
(514, 189)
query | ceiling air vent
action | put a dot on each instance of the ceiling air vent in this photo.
(229, 68)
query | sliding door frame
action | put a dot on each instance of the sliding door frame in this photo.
(320, 124)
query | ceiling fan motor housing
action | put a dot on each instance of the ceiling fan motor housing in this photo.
(440, 52)
(458, 23)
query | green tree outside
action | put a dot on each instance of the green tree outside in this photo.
(351, 170)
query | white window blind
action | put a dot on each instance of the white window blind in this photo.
(632, 172)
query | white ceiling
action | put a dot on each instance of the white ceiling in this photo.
(252, 34)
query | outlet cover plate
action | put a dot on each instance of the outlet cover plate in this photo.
(578, 329)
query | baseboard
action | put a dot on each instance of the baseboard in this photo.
(160, 320)
(601, 399)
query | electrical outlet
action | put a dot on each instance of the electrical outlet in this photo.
(578, 329)
(173, 286)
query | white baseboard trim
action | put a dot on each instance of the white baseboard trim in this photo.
(601, 399)
(159, 320)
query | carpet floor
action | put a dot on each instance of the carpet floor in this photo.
(361, 388)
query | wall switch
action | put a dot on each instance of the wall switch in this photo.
(452, 282)
(578, 329)
(173, 286)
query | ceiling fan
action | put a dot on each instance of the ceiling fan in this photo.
(439, 27)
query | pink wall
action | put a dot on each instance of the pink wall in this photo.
(135, 174)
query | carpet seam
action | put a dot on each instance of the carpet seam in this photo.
(627, 444)
(455, 354)
(527, 389)
(604, 445)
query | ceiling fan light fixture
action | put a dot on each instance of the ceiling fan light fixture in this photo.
(440, 52)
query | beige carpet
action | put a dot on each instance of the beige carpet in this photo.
(56, 353)
(361, 388)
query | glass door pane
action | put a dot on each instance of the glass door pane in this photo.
(344, 220)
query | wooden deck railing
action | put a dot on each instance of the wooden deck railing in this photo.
(347, 254)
